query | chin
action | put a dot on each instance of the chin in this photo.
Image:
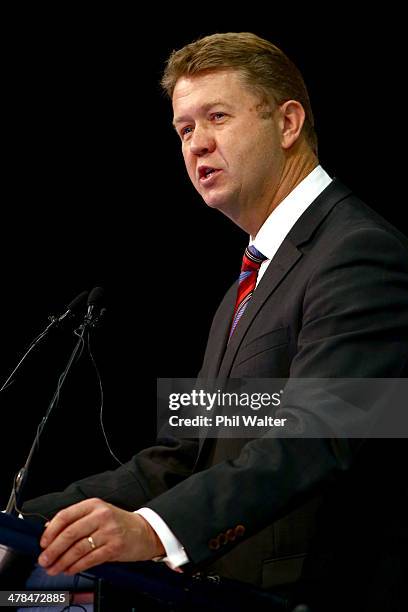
(217, 202)
(213, 203)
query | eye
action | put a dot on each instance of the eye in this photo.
(218, 116)
(185, 131)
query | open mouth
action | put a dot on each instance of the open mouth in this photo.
(205, 173)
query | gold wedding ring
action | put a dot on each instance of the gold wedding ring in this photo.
(91, 542)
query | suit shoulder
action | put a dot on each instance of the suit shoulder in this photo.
(358, 216)
(353, 225)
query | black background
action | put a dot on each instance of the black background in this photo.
(95, 193)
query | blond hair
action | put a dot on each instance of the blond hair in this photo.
(262, 65)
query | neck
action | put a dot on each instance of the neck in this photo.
(294, 169)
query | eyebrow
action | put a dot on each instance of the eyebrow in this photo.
(205, 107)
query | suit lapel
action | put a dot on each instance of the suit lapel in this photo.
(215, 350)
(282, 263)
(219, 333)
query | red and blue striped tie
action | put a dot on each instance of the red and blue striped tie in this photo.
(251, 263)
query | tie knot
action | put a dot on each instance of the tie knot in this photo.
(252, 259)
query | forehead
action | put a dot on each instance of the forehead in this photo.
(210, 88)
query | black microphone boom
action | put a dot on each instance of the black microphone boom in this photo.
(71, 308)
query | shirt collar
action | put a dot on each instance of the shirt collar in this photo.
(284, 216)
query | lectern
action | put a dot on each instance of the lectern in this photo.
(143, 586)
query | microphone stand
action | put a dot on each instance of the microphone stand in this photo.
(13, 503)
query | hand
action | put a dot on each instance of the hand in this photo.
(117, 534)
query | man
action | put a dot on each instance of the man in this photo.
(328, 298)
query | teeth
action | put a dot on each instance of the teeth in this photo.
(209, 171)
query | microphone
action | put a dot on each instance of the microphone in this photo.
(94, 313)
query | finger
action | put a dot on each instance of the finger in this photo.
(80, 550)
(96, 557)
(67, 538)
(66, 517)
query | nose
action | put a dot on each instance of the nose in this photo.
(202, 141)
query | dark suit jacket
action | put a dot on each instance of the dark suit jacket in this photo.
(332, 303)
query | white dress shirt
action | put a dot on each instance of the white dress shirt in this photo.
(267, 241)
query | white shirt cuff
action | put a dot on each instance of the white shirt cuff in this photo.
(175, 553)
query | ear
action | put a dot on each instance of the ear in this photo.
(292, 118)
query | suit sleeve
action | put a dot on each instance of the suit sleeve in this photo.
(145, 476)
(354, 324)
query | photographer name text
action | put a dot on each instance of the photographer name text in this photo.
(224, 421)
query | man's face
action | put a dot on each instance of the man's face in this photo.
(232, 153)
